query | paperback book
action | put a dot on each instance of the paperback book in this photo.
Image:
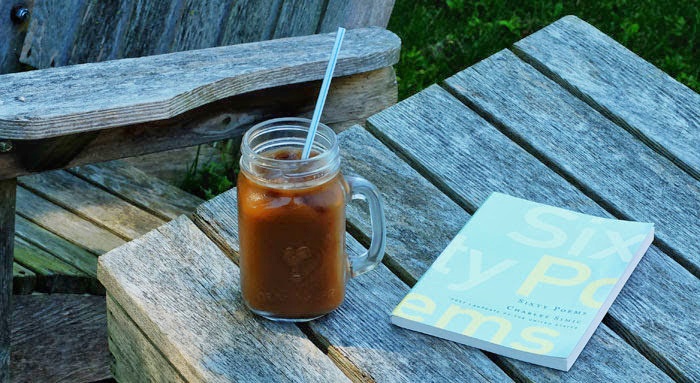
(526, 280)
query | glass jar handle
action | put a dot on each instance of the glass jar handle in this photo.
(364, 190)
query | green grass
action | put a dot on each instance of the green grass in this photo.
(440, 38)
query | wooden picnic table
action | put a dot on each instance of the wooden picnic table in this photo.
(566, 117)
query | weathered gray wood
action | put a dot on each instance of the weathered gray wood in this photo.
(199, 24)
(249, 21)
(356, 14)
(80, 98)
(52, 274)
(59, 338)
(7, 232)
(172, 165)
(23, 280)
(150, 27)
(299, 18)
(193, 314)
(153, 195)
(624, 87)
(11, 37)
(65, 224)
(358, 335)
(99, 31)
(136, 359)
(351, 100)
(608, 162)
(92, 203)
(51, 33)
(60, 248)
(469, 159)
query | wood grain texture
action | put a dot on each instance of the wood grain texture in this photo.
(52, 30)
(65, 224)
(358, 335)
(7, 233)
(150, 27)
(136, 187)
(298, 18)
(23, 280)
(53, 275)
(480, 158)
(59, 338)
(12, 37)
(422, 220)
(171, 165)
(92, 203)
(249, 21)
(351, 100)
(199, 24)
(623, 86)
(99, 31)
(79, 98)
(356, 14)
(136, 359)
(608, 162)
(193, 314)
(59, 247)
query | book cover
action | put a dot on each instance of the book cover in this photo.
(526, 280)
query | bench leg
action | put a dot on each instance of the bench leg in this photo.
(7, 234)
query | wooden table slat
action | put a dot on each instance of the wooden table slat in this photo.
(23, 280)
(359, 336)
(199, 321)
(616, 81)
(483, 160)
(588, 148)
(65, 224)
(129, 183)
(92, 203)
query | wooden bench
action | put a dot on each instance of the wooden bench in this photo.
(79, 115)
(559, 134)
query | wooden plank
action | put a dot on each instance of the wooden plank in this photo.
(51, 33)
(92, 203)
(135, 358)
(12, 36)
(23, 280)
(129, 183)
(7, 233)
(469, 159)
(249, 21)
(358, 336)
(65, 224)
(612, 166)
(196, 319)
(52, 274)
(80, 98)
(60, 248)
(99, 31)
(356, 14)
(632, 92)
(199, 24)
(351, 100)
(172, 165)
(298, 18)
(150, 27)
(59, 338)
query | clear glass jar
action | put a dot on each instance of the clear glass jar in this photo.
(291, 215)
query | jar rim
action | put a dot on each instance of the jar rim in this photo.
(303, 123)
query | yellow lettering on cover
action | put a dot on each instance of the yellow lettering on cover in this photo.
(476, 320)
(530, 334)
(539, 274)
(590, 290)
(417, 303)
(534, 217)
